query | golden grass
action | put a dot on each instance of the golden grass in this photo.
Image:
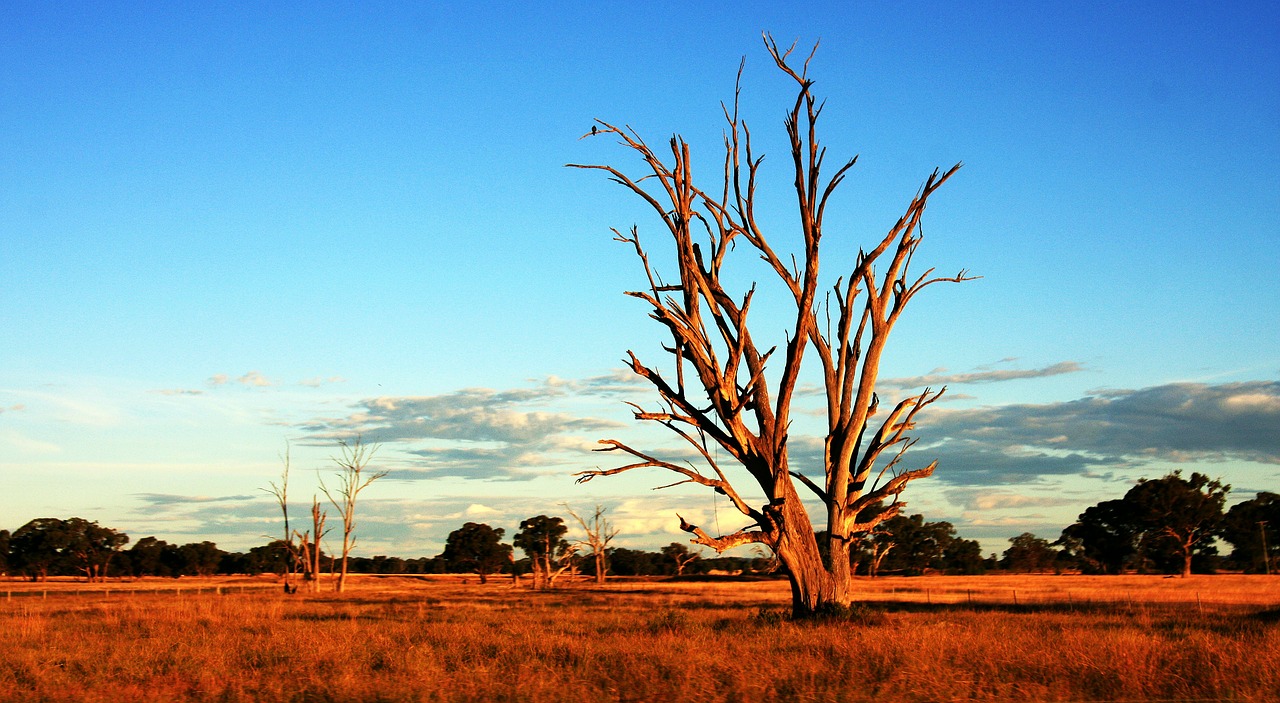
(407, 639)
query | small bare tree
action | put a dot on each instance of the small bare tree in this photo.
(352, 461)
(281, 493)
(599, 534)
(309, 549)
(728, 392)
(680, 556)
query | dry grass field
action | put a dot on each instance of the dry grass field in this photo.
(1067, 638)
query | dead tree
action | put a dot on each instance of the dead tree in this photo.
(281, 493)
(555, 567)
(309, 549)
(680, 556)
(599, 534)
(352, 461)
(730, 393)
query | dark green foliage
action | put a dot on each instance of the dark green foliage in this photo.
(963, 557)
(1104, 538)
(676, 557)
(476, 548)
(915, 546)
(1251, 525)
(542, 537)
(1168, 523)
(634, 562)
(50, 546)
(1028, 553)
(200, 558)
(38, 548)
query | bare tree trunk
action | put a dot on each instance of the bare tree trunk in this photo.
(812, 586)
(318, 519)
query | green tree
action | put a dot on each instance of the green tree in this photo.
(1104, 538)
(542, 540)
(1168, 521)
(146, 557)
(200, 558)
(634, 562)
(1182, 516)
(38, 548)
(912, 546)
(1029, 553)
(4, 552)
(271, 558)
(91, 547)
(476, 547)
(1253, 528)
(963, 556)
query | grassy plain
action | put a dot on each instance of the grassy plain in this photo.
(1067, 638)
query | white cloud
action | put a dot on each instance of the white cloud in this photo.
(254, 379)
(22, 444)
(939, 377)
(318, 381)
(986, 499)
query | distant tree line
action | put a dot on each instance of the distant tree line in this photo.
(1167, 525)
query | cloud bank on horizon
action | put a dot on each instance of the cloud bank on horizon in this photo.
(1000, 466)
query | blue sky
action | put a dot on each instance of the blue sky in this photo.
(224, 229)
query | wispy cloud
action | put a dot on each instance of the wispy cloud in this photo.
(178, 391)
(160, 499)
(318, 381)
(986, 499)
(13, 408)
(940, 377)
(252, 379)
(22, 444)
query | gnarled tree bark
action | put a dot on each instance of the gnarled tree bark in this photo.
(729, 393)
